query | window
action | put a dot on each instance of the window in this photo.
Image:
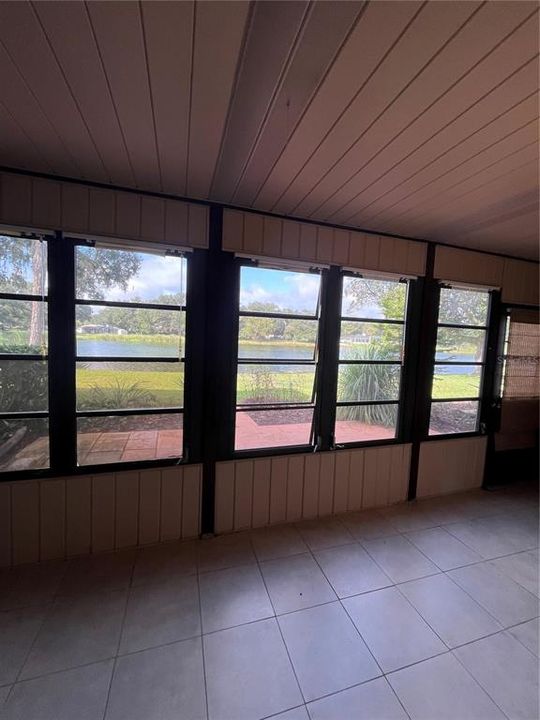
(24, 426)
(372, 331)
(459, 361)
(277, 357)
(130, 330)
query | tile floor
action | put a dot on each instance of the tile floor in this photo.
(423, 611)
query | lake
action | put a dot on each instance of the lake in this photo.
(265, 351)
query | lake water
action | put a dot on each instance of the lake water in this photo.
(264, 351)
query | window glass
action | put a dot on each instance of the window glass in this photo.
(459, 361)
(370, 298)
(129, 342)
(278, 324)
(371, 355)
(116, 439)
(24, 393)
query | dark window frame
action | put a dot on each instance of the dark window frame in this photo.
(484, 364)
(30, 357)
(315, 362)
(402, 429)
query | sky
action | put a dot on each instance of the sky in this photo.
(290, 290)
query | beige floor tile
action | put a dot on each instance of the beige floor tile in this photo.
(277, 542)
(224, 552)
(165, 683)
(162, 562)
(296, 582)
(507, 671)
(442, 548)
(374, 700)
(248, 673)
(350, 570)
(4, 692)
(408, 517)
(453, 615)
(79, 694)
(299, 713)
(319, 534)
(399, 558)
(441, 689)
(232, 597)
(30, 584)
(368, 525)
(327, 652)
(96, 573)
(528, 635)
(392, 629)
(78, 630)
(484, 540)
(18, 629)
(161, 613)
(523, 568)
(508, 602)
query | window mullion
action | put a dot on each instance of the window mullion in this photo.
(62, 353)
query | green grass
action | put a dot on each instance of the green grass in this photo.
(133, 339)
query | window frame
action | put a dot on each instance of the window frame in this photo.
(403, 362)
(31, 357)
(275, 450)
(485, 364)
(126, 412)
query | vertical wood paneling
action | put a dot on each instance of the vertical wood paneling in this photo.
(295, 485)
(191, 501)
(356, 480)
(382, 483)
(416, 258)
(233, 230)
(176, 223)
(5, 525)
(16, 199)
(521, 282)
(308, 242)
(253, 233)
(128, 215)
(75, 207)
(171, 503)
(102, 212)
(152, 219)
(278, 490)
(52, 508)
(272, 228)
(326, 484)
(341, 481)
(197, 235)
(372, 253)
(46, 204)
(243, 494)
(149, 506)
(290, 241)
(340, 251)
(103, 512)
(312, 466)
(25, 522)
(468, 266)
(78, 515)
(261, 492)
(127, 509)
(224, 509)
(325, 239)
(448, 466)
(357, 249)
(369, 495)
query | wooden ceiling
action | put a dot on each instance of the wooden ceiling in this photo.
(412, 118)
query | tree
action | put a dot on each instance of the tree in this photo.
(22, 269)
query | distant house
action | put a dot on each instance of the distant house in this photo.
(101, 329)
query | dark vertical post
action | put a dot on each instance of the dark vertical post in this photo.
(490, 409)
(62, 352)
(219, 373)
(426, 334)
(329, 328)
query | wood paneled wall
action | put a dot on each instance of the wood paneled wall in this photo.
(66, 517)
(521, 282)
(451, 465)
(49, 205)
(269, 491)
(467, 266)
(259, 235)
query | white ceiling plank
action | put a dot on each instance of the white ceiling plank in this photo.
(16, 148)
(43, 76)
(169, 33)
(379, 28)
(118, 30)
(453, 83)
(433, 26)
(69, 31)
(325, 30)
(219, 33)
